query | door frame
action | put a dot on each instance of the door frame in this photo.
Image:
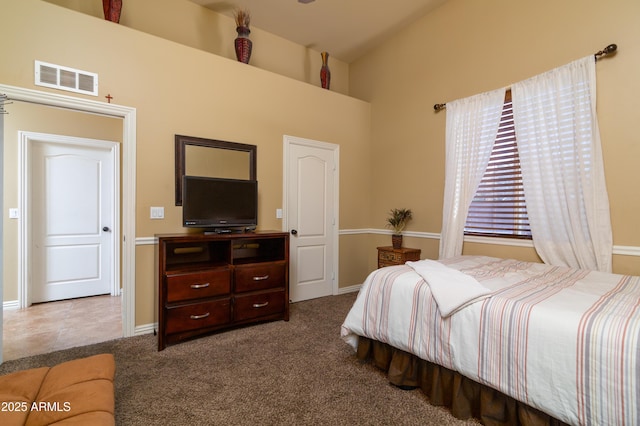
(26, 140)
(128, 194)
(288, 141)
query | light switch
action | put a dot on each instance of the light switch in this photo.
(278, 213)
(157, 212)
(13, 213)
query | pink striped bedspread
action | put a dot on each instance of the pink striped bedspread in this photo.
(563, 340)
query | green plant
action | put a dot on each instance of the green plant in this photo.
(398, 219)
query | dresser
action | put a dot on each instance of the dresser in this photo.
(389, 256)
(208, 283)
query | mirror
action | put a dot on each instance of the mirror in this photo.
(212, 158)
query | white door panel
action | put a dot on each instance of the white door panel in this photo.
(71, 193)
(85, 258)
(311, 216)
(311, 194)
(311, 264)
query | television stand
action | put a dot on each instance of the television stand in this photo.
(210, 283)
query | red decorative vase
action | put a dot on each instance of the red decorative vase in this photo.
(243, 44)
(325, 73)
(112, 10)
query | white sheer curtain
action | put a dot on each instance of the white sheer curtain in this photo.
(472, 126)
(562, 169)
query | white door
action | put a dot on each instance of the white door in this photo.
(311, 216)
(71, 192)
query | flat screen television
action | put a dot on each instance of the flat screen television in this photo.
(219, 203)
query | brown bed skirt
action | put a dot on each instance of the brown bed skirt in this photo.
(464, 397)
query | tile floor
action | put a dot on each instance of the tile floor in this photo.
(48, 327)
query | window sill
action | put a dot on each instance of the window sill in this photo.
(515, 242)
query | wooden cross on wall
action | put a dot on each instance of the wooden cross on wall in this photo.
(109, 97)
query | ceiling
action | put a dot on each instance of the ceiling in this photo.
(344, 28)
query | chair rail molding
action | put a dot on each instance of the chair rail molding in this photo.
(513, 242)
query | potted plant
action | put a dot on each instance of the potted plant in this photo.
(397, 221)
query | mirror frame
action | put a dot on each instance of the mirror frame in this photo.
(180, 146)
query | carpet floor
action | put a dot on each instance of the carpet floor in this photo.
(280, 373)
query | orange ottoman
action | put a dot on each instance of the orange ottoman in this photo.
(78, 392)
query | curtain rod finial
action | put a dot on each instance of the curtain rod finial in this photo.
(607, 50)
(438, 107)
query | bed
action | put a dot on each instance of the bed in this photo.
(506, 341)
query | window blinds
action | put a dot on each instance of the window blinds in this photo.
(498, 208)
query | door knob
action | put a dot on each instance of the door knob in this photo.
(106, 229)
(294, 232)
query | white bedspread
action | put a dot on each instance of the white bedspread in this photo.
(450, 288)
(563, 340)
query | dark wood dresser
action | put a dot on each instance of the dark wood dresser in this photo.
(389, 256)
(208, 283)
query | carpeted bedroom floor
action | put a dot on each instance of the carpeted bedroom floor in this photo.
(280, 373)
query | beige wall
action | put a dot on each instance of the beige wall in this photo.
(187, 23)
(181, 90)
(467, 47)
(391, 143)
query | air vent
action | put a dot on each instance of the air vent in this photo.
(64, 78)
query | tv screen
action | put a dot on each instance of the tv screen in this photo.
(219, 203)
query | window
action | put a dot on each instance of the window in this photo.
(498, 208)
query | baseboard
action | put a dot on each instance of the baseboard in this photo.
(10, 304)
(350, 289)
(139, 330)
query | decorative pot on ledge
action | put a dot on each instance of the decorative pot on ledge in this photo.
(243, 44)
(112, 10)
(396, 241)
(325, 72)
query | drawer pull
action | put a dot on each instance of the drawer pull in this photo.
(188, 250)
(197, 286)
(197, 317)
(262, 278)
(260, 305)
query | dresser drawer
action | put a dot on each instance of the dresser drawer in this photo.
(198, 315)
(259, 276)
(390, 256)
(198, 285)
(259, 305)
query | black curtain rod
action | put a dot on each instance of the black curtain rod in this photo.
(606, 51)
